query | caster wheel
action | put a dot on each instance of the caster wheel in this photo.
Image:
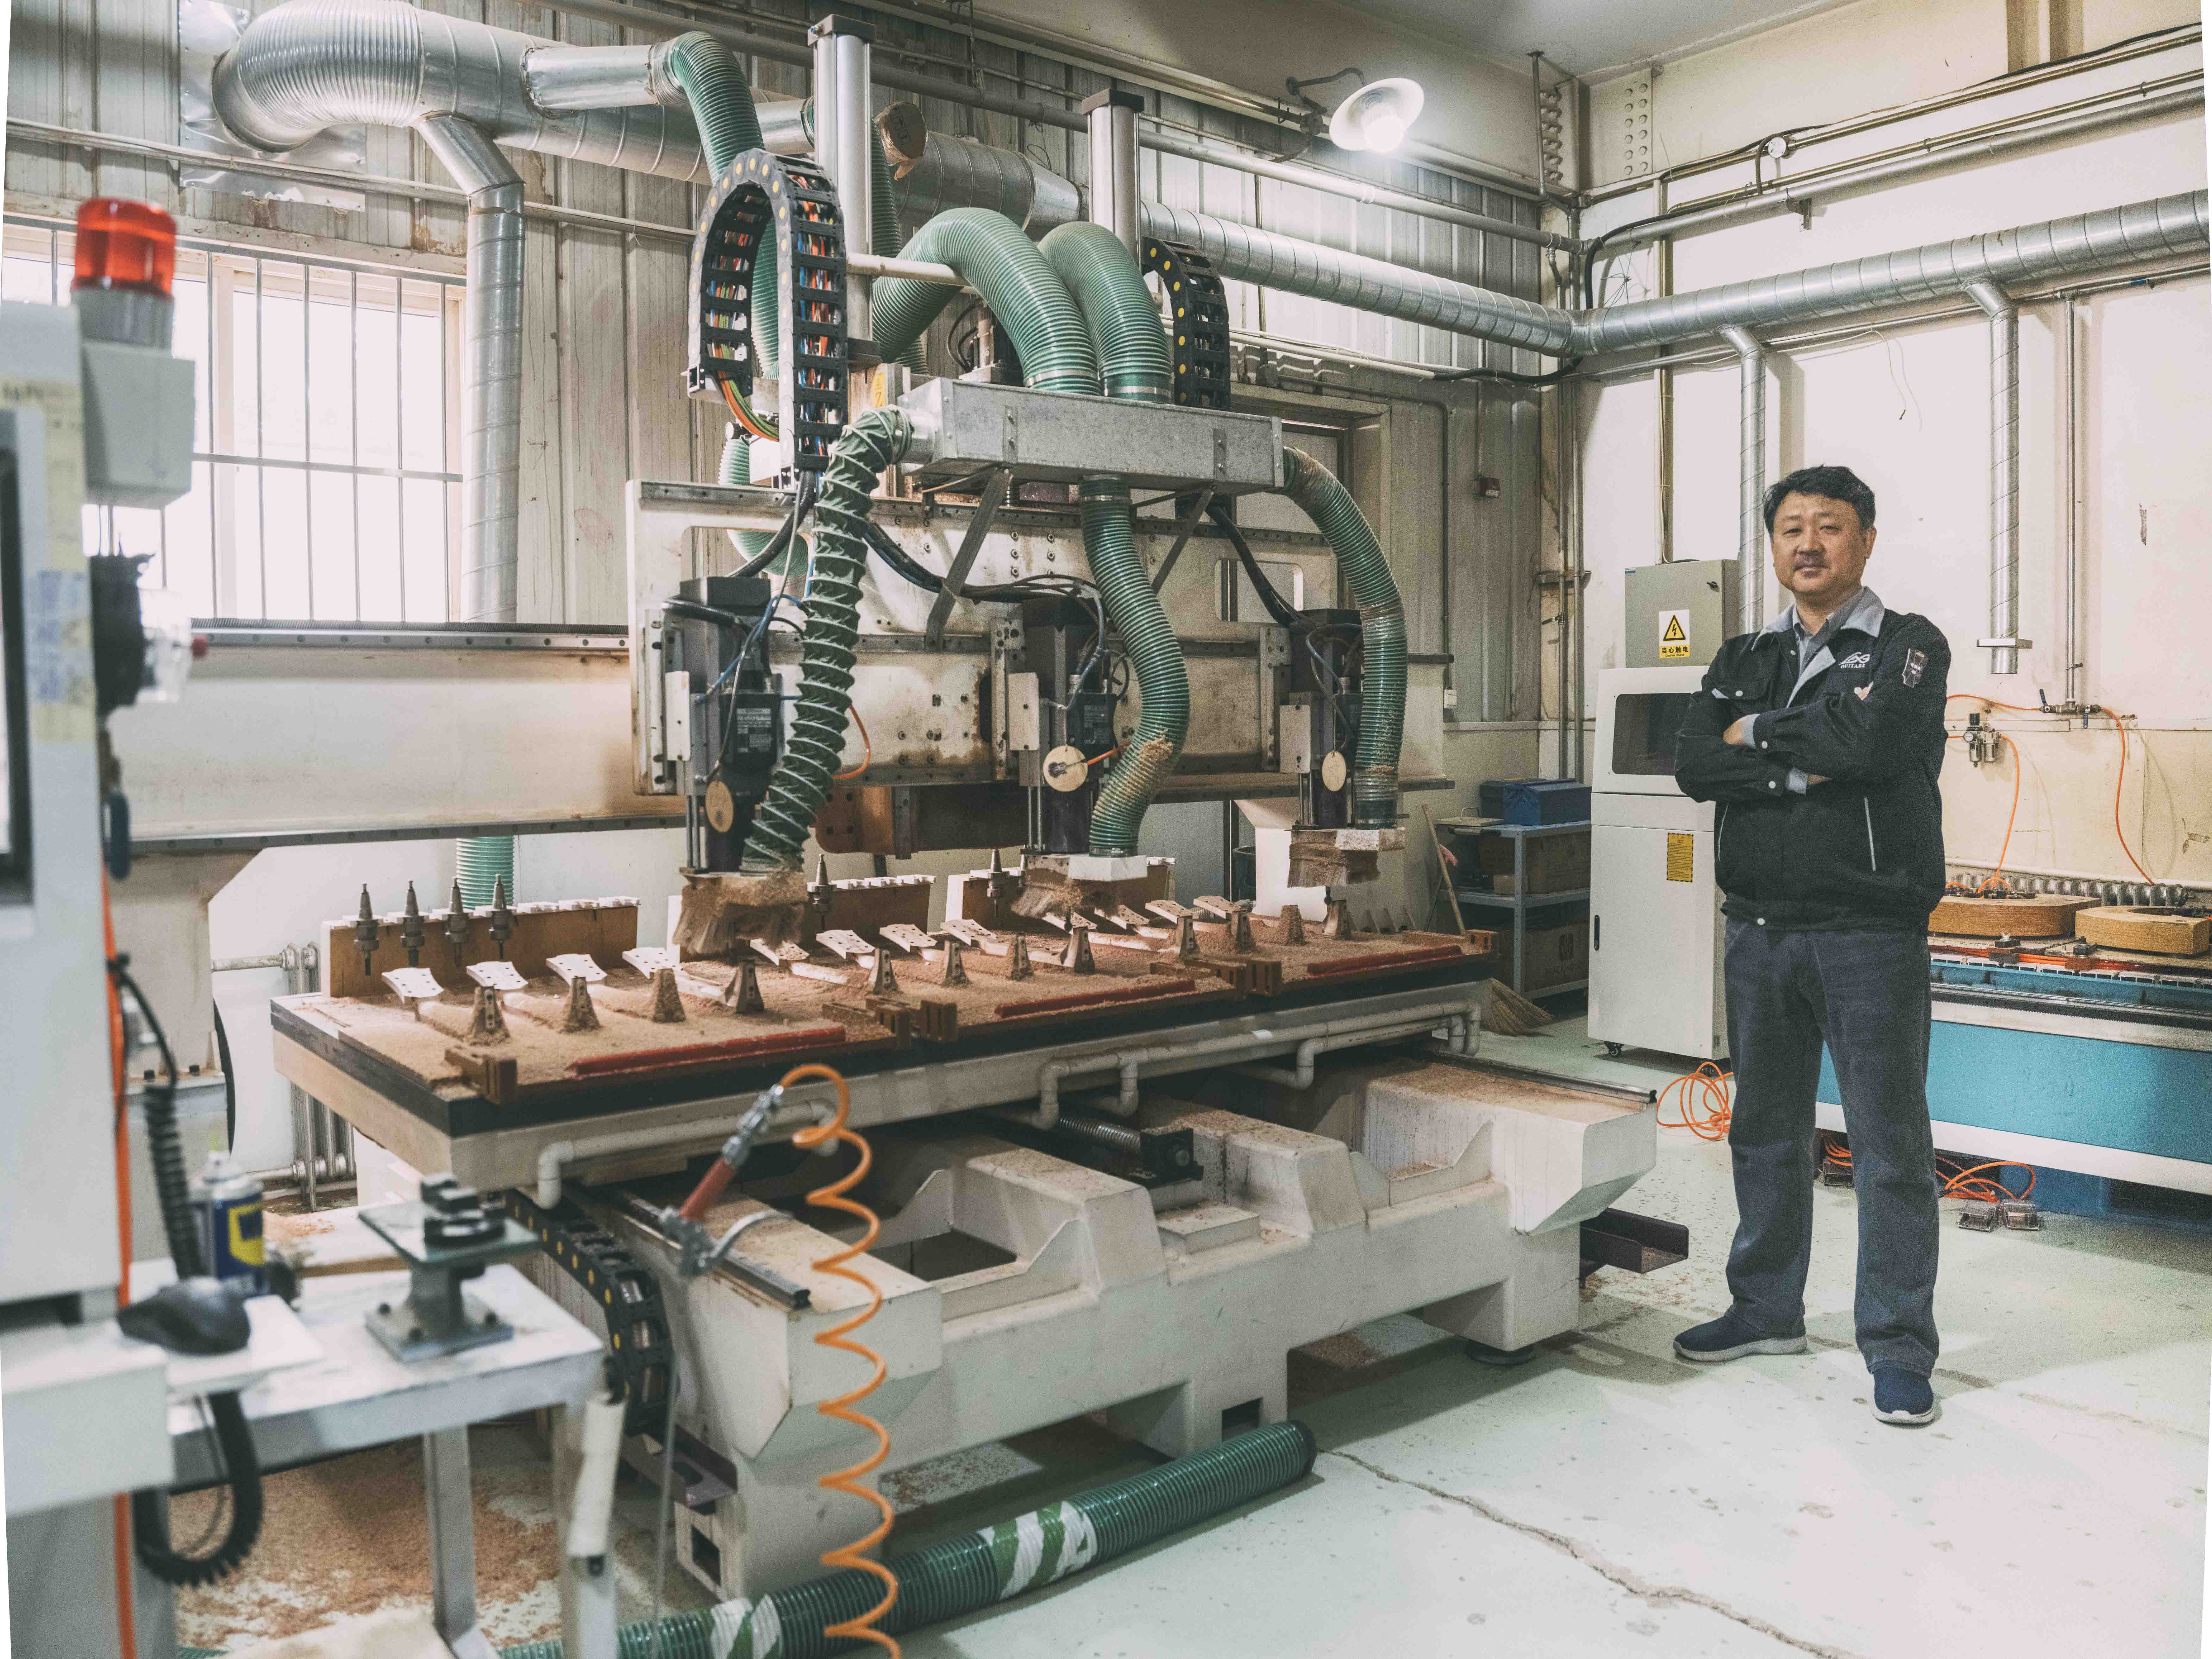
(1502, 1359)
(1612, 1051)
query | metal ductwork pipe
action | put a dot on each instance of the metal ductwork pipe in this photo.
(601, 77)
(310, 64)
(491, 345)
(1246, 254)
(2004, 642)
(1751, 476)
(956, 171)
(2056, 248)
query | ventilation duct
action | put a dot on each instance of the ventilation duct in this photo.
(310, 64)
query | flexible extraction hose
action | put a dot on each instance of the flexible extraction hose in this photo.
(1366, 578)
(1124, 321)
(1131, 348)
(1017, 283)
(979, 1569)
(782, 821)
(1148, 759)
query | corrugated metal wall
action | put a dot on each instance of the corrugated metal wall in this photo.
(604, 310)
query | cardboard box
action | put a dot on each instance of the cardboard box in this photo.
(1557, 956)
(1555, 863)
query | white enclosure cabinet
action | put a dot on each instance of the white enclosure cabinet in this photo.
(1655, 927)
(1654, 977)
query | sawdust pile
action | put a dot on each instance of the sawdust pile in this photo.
(349, 1537)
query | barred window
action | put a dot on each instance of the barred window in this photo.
(326, 442)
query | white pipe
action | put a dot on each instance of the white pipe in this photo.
(1113, 203)
(917, 270)
(2004, 471)
(590, 1503)
(1129, 1063)
(1751, 474)
(1301, 1076)
(844, 147)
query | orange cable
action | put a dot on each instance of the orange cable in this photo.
(834, 1197)
(868, 750)
(126, 1612)
(1107, 755)
(744, 416)
(2120, 725)
(1967, 1182)
(1996, 878)
(2119, 786)
(1703, 1102)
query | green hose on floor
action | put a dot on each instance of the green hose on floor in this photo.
(979, 1569)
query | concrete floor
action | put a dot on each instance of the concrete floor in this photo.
(1605, 1498)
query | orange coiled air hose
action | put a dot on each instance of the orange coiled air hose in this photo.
(1702, 1097)
(835, 1197)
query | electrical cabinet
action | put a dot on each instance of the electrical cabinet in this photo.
(1656, 928)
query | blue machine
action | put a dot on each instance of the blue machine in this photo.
(2104, 1069)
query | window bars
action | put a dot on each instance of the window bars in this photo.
(326, 442)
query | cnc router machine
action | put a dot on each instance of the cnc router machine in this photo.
(1125, 1151)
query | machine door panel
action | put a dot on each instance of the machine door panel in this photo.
(1653, 938)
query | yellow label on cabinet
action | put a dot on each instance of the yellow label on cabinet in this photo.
(1682, 856)
(1673, 633)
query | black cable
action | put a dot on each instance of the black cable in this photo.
(1552, 377)
(171, 1186)
(149, 1519)
(229, 1077)
(1285, 614)
(802, 502)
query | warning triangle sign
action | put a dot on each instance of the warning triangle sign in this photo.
(1674, 635)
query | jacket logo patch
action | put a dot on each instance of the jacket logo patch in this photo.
(1915, 662)
(1856, 659)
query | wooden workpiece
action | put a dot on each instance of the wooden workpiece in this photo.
(2023, 915)
(599, 928)
(875, 980)
(2154, 928)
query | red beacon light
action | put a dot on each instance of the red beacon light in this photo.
(126, 258)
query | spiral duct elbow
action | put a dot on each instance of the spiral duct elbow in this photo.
(309, 64)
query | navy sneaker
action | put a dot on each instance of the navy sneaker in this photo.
(1902, 1396)
(1731, 1337)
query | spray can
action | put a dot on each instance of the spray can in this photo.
(227, 1206)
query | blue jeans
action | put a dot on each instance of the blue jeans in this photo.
(1866, 994)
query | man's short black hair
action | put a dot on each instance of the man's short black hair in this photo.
(1837, 484)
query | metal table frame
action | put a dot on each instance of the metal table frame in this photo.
(1521, 901)
(359, 1396)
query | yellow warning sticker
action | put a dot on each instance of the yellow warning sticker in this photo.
(1673, 633)
(1682, 856)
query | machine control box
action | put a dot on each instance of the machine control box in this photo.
(1679, 613)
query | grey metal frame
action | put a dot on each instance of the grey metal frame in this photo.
(1521, 901)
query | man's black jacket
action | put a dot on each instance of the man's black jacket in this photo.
(1863, 850)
